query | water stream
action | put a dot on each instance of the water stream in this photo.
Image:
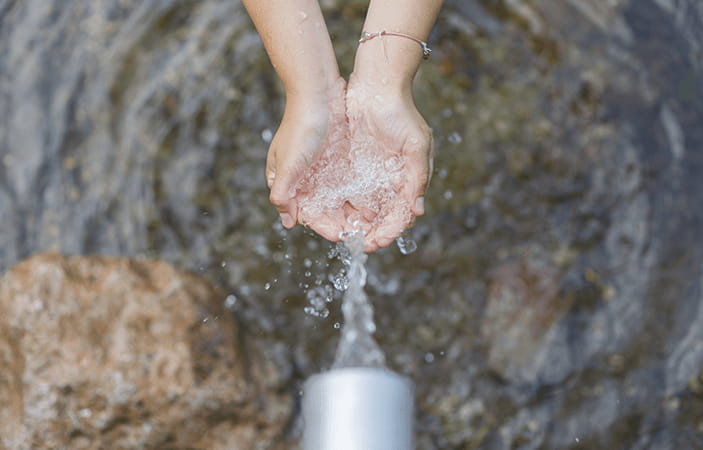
(357, 347)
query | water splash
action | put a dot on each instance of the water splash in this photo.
(318, 297)
(357, 347)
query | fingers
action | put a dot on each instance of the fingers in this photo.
(282, 186)
(371, 247)
(294, 150)
(327, 229)
(270, 168)
(357, 217)
(420, 153)
(418, 207)
(329, 226)
(392, 226)
(282, 196)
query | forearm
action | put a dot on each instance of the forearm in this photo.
(393, 60)
(298, 44)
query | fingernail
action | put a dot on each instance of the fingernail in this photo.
(287, 220)
(420, 206)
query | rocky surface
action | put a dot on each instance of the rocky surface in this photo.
(521, 323)
(554, 300)
(116, 353)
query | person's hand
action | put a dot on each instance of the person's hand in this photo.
(322, 173)
(355, 163)
(311, 123)
(384, 123)
(371, 173)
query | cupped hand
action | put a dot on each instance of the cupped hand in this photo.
(355, 163)
(310, 124)
(386, 128)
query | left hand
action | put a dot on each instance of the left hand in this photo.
(311, 124)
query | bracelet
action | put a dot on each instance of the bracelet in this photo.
(366, 36)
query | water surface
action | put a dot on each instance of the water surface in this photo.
(555, 298)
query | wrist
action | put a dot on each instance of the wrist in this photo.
(312, 107)
(388, 63)
(316, 93)
(313, 74)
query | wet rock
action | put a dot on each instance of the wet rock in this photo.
(520, 324)
(568, 130)
(115, 353)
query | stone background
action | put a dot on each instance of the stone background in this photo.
(554, 300)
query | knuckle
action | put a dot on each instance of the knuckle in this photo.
(417, 146)
(277, 198)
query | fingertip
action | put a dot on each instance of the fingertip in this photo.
(282, 192)
(287, 220)
(419, 206)
(371, 245)
(384, 242)
(270, 174)
(293, 209)
(277, 198)
(375, 242)
(329, 232)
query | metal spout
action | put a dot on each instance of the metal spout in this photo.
(358, 409)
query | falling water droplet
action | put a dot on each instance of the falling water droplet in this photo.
(341, 282)
(267, 135)
(454, 138)
(230, 302)
(311, 310)
(406, 246)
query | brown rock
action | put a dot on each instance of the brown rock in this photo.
(524, 307)
(113, 353)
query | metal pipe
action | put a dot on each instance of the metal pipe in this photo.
(358, 409)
